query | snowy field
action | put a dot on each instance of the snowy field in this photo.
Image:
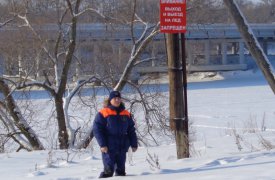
(233, 132)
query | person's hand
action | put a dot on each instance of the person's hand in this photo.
(134, 149)
(104, 149)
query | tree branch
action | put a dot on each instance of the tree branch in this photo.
(25, 19)
(132, 21)
(6, 22)
(145, 60)
(252, 42)
(134, 55)
(71, 48)
(43, 85)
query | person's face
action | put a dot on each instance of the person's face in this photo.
(115, 101)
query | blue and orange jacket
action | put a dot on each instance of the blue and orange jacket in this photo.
(114, 128)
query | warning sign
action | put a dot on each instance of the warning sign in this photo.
(173, 16)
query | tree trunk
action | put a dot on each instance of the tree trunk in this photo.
(86, 140)
(19, 121)
(60, 116)
(251, 42)
(11, 129)
(62, 127)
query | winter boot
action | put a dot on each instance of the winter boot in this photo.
(104, 175)
(118, 173)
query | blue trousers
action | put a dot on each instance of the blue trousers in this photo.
(114, 162)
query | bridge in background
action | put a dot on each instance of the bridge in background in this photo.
(213, 47)
(220, 47)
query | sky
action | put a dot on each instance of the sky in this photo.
(229, 113)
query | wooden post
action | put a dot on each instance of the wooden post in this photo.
(176, 94)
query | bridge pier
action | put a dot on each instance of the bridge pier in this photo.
(117, 49)
(96, 52)
(154, 54)
(224, 52)
(241, 51)
(190, 56)
(207, 51)
(265, 45)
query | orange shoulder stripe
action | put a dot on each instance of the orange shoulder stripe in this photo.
(125, 113)
(107, 112)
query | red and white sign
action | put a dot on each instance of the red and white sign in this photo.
(173, 16)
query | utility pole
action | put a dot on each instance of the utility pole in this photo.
(178, 118)
(173, 22)
(185, 104)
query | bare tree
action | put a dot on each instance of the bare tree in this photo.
(12, 118)
(251, 42)
(61, 70)
(60, 56)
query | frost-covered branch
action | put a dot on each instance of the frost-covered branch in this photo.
(18, 119)
(145, 60)
(54, 58)
(12, 130)
(6, 22)
(67, 100)
(153, 114)
(252, 42)
(29, 82)
(102, 15)
(28, 24)
(39, 84)
(136, 52)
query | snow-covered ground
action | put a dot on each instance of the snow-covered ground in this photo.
(232, 126)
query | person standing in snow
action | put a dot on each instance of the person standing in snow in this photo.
(114, 130)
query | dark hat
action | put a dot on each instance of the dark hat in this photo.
(114, 94)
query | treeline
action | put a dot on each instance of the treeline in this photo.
(199, 11)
